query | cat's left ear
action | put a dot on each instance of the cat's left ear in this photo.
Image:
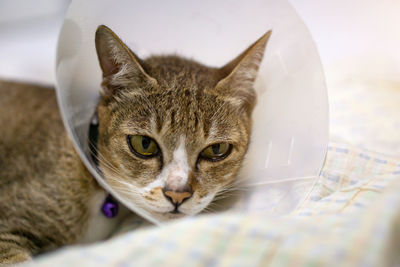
(240, 73)
(121, 67)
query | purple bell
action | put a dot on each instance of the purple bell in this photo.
(110, 207)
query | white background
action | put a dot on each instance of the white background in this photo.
(360, 30)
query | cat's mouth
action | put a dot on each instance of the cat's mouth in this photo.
(175, 211)
(174, 215)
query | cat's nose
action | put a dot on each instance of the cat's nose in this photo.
(177, 197)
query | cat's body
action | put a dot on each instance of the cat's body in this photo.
(172, 135)
(45, 191)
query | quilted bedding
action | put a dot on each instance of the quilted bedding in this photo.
(351, 218)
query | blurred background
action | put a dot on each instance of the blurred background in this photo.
(342, 30)
(358, 42)
(28, 37)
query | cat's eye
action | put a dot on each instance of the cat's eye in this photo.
(216, 152)
(142, 146)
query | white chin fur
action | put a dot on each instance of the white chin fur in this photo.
(189, 208)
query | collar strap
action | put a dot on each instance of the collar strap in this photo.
(110, 206)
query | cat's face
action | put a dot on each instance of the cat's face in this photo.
(173, 133)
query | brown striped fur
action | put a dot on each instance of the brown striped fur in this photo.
(44, 188)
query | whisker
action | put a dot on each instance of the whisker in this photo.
(209, 209)
(101, 159)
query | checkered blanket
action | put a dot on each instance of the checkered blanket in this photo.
(350, 218)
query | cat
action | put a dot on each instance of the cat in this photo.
(172, 134)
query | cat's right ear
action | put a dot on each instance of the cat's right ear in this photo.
(240, 75)
(121, 67)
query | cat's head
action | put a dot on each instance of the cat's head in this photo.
(172, 132)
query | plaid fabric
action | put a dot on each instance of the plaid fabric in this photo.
(350, 218)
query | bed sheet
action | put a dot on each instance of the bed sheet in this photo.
(350, 218)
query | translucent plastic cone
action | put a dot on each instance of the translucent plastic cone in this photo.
(290, 132)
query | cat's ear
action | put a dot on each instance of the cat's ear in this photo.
(121, 67)
(240, 73)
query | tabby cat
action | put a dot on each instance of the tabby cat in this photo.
(172, 134)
